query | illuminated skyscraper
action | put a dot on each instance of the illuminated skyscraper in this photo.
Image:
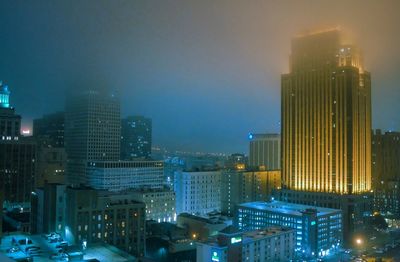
(326, 116)
(326, 128)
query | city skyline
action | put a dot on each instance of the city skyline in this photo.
(210, 66)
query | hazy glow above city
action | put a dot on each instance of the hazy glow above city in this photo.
(206, 72)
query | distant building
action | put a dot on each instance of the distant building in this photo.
(50, 164)
(114, 218)
(236, 161)
(160, 203)
(197, 192)
(268, 244)
(318, 230)
(240, 186)
(386, 172)
(92, 131)
(51, 128)
(10, 123)
(123, 175)
(265, 151)
(136, 137)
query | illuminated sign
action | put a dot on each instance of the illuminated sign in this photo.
(236, 240)
(250, 136)
(313, 223)
(215, 256)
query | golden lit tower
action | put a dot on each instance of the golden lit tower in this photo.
(326, 117)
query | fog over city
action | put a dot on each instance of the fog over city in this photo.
(206, 72)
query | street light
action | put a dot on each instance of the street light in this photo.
(359, 241)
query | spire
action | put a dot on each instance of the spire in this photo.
(4, 96)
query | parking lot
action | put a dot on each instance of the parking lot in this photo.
(22, 247)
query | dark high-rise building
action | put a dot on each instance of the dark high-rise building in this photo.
(48, 132)
(326, 126)
(386, 172)
(17, 170)
(92, 131)
(135, 137)
(17, 155)
(50, 127)
(10, 123)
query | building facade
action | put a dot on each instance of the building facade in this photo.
(326, 116)
(17, 170)
(160, 203)
(318, 230)
(92, 131)
(240, 186)
(48, 209)
(386, 172)
(98, 216)
(265, 151)
(123, 175)
(269, 244)
(136, 137)
(197, 192)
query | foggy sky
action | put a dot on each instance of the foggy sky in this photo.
(206, 72)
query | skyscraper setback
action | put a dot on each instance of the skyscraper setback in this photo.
(326, 116)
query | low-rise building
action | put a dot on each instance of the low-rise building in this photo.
(101, 216)
(269, 244)
(318, 230)
(160, 203)
(202, 227)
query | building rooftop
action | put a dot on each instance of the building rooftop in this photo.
(287, 208)
(250, 236)
(46, 251)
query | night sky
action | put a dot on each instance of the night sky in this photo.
(206, 72)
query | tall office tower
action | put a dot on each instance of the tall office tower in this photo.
(92, 131)
(326, 123)
(326, 116)
(265, 151)
(10, 123)
(51, 128)
(135, 137)
(17, 155)
(386, 172)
